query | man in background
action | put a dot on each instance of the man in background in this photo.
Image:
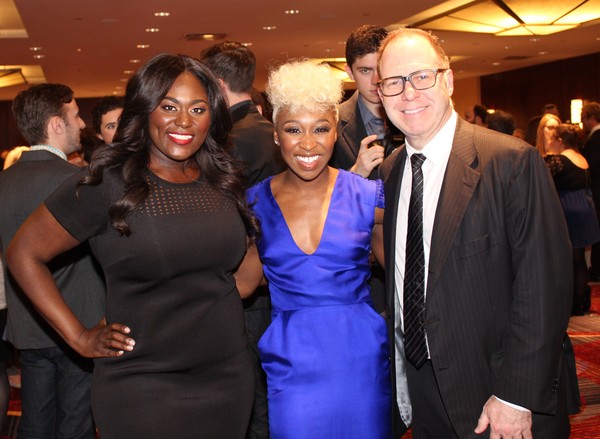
(477, 114)
(55, 380)
(590, 119)
(234, 65)
(364, 136)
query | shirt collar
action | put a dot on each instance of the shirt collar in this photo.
(49, 148)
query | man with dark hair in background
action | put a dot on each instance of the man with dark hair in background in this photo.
(365, 138)
(234, 65)
(477, 114)
(502, 122)
(590, 119)
(55, 380)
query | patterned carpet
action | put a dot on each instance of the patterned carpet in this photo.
(585, 336)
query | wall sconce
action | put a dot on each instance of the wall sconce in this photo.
(576, 106)
(10, 77)
(507, 17)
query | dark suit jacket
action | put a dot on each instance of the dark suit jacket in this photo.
(23, 187)
(591, 152)
(252, 136)
(351, 130)
(500, 279)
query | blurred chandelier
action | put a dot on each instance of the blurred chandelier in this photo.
(10, 77)
(507, 17)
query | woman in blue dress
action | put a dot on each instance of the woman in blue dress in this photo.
(326, 351)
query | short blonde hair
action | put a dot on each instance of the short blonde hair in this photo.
(303, 85)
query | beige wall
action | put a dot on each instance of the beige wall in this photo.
(467, 92)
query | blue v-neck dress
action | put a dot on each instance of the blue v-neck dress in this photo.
(326, 352)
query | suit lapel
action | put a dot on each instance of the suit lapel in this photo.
(353, 128)
(460, 181)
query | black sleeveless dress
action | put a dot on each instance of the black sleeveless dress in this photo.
(170, 281)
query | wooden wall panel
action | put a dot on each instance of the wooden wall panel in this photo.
(524, 92)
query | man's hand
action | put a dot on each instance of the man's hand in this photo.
(368, 157)
(505, 422)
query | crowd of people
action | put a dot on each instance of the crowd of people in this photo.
(339, 270)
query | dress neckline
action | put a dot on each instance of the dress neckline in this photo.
(325, 223)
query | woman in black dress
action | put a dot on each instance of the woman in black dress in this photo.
(570, 172)
(162, 208)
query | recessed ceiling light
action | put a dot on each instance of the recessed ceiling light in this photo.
(135, 61)
(247, 44)
(39, 56)
(496, 63)
(143, 46)
(152, 29)
(292, 11)
(269, 27)
(162, 14)
(79, 50)
(123, 79)
(534, 40)
(35, 49)
(128, 72)
(543, 52)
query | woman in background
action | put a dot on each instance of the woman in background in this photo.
(326, 351)
(570, 172)
(545, 132)
(165, 216)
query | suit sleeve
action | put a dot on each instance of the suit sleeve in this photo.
(542, 287)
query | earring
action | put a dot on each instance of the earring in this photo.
(276, 142)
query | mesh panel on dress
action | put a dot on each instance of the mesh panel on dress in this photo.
(169, 200)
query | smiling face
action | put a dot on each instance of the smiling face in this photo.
(306, 139)
(419, 114)
(180, 123)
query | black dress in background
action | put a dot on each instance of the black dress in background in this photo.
(170, 281)
(572, 185)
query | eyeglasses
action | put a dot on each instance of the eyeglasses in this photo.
(420, 80)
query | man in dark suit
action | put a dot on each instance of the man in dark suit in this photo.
(483, 340)
(590, 118)
(234, 65)
(55, 380)
(364, 136)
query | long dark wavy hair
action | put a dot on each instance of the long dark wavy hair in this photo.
(130, 151)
